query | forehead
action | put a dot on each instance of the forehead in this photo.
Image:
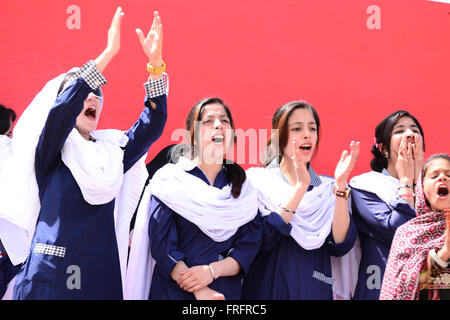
(438, 165)
(301, 115)
(405, 122)
(213, 109)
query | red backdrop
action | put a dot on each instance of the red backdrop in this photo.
(256, 55)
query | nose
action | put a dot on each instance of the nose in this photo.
(217, 124)
(409, 133)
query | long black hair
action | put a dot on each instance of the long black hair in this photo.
(383, 134)
(235, 173)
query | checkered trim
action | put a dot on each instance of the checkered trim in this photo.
(320, 276)
(50, 250)
(156, 88)
(91, 75)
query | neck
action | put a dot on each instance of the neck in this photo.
(391, 169)
(85, 134)
(210, 169)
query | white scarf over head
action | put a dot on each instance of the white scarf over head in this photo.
(97, 168)
(215, 211)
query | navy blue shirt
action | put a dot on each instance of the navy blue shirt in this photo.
(7, 270)
(81, 259)
(283, 270)
(174, 238)
(376, 222)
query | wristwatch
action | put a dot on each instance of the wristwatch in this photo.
(156, 70)
(343, 194)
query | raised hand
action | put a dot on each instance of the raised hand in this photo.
(300, 161)
(153, 43)
(113, 45)
(345, 165)
(405, 166)
(418, 156)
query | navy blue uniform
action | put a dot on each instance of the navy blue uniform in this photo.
(76, 238)
(175, 238)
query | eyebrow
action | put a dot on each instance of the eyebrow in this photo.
(212, 115)
(300, 122)
(402, 125)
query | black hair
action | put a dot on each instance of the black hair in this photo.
(431, 158)
(7, 117)
(235, 173)
(383, 134)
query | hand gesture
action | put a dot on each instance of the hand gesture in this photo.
(114, 32)
(405, 163)
(418, 156)
(300, 162)
(152, 44)
(195, 278)
(345, 165)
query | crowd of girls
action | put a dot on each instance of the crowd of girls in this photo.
(85, 219)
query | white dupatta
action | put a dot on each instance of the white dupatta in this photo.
(311, 224)
(97, 168)
(215, 211)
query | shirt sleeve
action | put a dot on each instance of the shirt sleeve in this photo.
(274, 228)
(62, 116)
(164, 237)
(247, 243)
(340, 249)
(377, 219)
(150, 125)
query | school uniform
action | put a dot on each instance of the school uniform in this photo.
(285, 270)
(174, 238)
(376, 220)
(74, 251)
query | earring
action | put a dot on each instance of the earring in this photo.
(386, 154)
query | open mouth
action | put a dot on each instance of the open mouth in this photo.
(442, 192)
(306, 147)
(91, 113)
(217, 139)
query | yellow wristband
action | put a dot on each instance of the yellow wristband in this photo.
(156, 70)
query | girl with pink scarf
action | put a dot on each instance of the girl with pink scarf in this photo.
(418, 264)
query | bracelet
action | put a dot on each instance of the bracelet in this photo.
(212, 271)
(286, 209)
(439, 261)
(405, 186)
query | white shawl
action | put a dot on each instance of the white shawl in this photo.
(378, 183)
(19, 192)
(215, 211)
(311, 224)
